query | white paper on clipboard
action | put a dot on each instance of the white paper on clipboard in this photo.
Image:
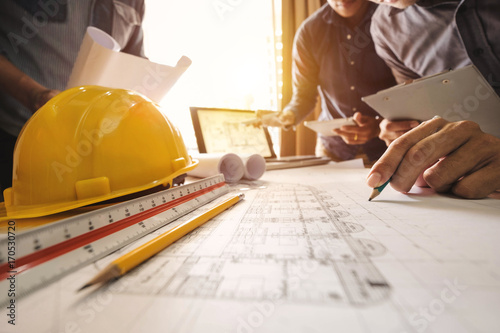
(462, 94)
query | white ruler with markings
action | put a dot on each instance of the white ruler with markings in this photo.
(41, 255)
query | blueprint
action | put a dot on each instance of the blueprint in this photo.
(223, 131)
(304, 252)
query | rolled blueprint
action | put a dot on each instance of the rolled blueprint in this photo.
(232, 166)
(99, 62)
(255, 165)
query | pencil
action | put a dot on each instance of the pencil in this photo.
(376, 191)
(135, 257)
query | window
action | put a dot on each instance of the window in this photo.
(233, 48)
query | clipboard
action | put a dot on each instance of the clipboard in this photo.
(462, 94)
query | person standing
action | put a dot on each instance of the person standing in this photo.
(39, 43)
(333, 54)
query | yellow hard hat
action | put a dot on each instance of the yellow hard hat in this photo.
(90, 144)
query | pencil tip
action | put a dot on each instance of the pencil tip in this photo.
(85, 286)
(369, 199)
(110, 272)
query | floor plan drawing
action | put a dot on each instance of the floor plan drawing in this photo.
(305, 251)
(267, 256)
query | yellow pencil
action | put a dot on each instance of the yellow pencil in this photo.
(135, 257)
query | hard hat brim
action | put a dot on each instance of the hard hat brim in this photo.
(21, 212)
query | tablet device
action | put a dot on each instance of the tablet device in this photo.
(325, 127)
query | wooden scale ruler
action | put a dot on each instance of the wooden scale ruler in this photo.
(41, 255)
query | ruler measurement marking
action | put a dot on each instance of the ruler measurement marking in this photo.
(77, 224)
(68, 245)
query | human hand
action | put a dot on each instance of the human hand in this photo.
(468, 160)
(284, 119)
(22, 87)
(391, 130)
(41, 96)
(366, 128)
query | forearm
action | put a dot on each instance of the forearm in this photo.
(302, 104)
(305, 77)
(19, 85)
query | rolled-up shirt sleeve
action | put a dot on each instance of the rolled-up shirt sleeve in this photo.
(127, 26)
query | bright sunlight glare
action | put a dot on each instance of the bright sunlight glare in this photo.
(231, 45)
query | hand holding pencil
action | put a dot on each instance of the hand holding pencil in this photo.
(137, 256)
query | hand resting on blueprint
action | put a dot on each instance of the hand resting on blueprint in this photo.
(468, 160)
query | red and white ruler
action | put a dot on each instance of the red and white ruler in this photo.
(42, 255)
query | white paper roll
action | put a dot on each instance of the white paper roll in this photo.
(233, 167)
(102, 38)
(99, 63)
(230, 165)
(255, 166)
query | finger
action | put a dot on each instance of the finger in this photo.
(358, 118)
(448, 170)
(346, 137)
(397, 126)
(44, 96)
(469, 161)
(341, 132)
(479, 184)
(257, 123)
(350, 129)
(272, 120)
(363, 120)
(269, 120)
(420, 182)
(426, 151)
(391, 130)
(53, 93)
(358, 136)
(387, 165)
(353, 138)
(391, 136)
(262, 113)
(360, 139)
(287, 118)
